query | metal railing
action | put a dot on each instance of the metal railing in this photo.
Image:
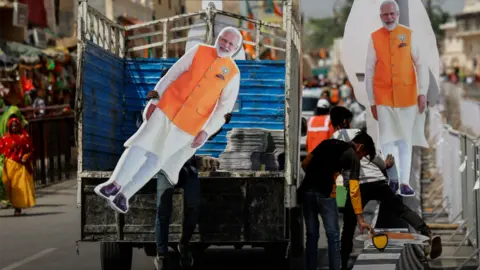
(52, 140)
(457, 158)
(173, 31)
(96, 27)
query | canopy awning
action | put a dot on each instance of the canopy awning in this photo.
(19, 49)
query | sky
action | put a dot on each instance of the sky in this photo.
(323, 8)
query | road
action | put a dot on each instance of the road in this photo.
(45, 238)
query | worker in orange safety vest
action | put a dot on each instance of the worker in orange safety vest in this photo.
(319, 126)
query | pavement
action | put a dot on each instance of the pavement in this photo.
(45, 238)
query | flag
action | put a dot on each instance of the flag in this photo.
(277, 9)
(250, 16)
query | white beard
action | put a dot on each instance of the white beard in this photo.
(221, 53)
(392, 26)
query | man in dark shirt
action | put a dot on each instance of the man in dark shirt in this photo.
(189, 181)
(322, 166)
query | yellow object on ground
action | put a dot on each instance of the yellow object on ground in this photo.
(380, 241)
(19, 185)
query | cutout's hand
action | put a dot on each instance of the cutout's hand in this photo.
(374, 112)
(150, 110)
(199, 139)
(422, 103)
(152, 94)
(228, 117)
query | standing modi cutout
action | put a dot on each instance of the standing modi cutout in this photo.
(397, 79)
(193, 98)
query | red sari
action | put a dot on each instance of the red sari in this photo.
(17, 172)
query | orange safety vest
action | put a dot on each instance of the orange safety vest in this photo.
(319, 129)
(394, 82)
(190, 100)
(335, 96)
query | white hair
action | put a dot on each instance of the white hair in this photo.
(387, 2)
(233, 30)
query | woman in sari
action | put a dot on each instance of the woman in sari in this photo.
(9, 112)
(17, 175)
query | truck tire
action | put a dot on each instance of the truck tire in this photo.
(116, 256)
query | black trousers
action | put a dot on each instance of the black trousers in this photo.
(378, 191)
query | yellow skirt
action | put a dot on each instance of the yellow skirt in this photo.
(19, 184)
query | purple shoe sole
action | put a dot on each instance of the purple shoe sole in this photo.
(402, 193)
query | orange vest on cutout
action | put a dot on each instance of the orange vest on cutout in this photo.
(190, 100)
(319, 129)
(394, 82)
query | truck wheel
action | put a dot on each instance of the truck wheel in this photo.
(115, 256)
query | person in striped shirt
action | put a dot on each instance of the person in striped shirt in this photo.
(373, 186)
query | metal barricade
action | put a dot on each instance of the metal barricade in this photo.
(457, 159)
(477, 192)
(445, 143)
(52, 140)
(470, 177)
(448, 161)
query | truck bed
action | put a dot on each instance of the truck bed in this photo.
(248, 208)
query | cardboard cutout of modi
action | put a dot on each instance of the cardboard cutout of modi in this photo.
(194, 96)
(394, 71)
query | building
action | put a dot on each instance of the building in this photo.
(453, 56)
(196, 5)
(14, 21)
(169, 8)
(142, 10)
(468, 30)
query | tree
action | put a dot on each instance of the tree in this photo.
(437, 16)
(321, 32)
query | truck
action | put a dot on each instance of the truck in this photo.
(238, 208)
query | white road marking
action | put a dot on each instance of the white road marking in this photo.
(29, 259)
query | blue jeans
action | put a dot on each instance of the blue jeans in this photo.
(188, 180)
(315, 204)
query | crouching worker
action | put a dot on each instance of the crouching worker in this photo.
(189, 181)
(316, 192)
(373, 186)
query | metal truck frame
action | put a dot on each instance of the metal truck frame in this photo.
(273, 191)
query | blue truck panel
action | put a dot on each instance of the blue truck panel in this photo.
(115, 94)
(102, 88)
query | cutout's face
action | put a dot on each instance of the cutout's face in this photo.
(389, 15)
(227, 43)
